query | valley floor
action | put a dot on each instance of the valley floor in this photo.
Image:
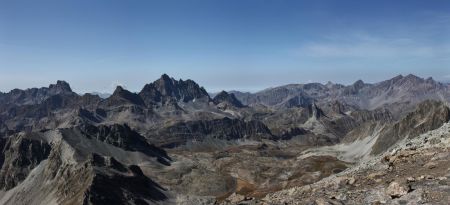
(253, 170)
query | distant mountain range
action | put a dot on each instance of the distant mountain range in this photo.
(101, 95)
(167, 101)
(398, 91)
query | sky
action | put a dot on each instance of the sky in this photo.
(245, 45)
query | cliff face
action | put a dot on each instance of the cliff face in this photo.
(69, 167)
(18, 157)
(223, 129)
(428, 115)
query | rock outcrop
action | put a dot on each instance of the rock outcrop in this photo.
(228, 99)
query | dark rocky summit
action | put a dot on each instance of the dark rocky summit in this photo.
(122, 96)
(35, 95)
(167, 88)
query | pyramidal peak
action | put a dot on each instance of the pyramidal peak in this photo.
(60, 86)
(167, 88)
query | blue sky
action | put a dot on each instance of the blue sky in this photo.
(222, 44)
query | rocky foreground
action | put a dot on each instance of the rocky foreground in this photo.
(415, 171)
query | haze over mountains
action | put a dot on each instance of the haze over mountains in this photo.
(172, 143)
(212, 94)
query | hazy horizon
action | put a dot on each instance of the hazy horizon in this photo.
(109, 92)
(222, 45)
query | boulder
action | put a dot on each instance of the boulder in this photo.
(395, 190)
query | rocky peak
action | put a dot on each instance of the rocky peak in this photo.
(165, 85)
(166, 88)
(430, 80)
(330, 85)
(229, 98)
(355, 87)
(119, 89)
(334, 86)
(60, 87)
(396, 78)
(359, 84)
(121, 96)
(412, 77)
(35, 95)
(165, 77)
(410, 80)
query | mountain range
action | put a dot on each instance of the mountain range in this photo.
(172, 143)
